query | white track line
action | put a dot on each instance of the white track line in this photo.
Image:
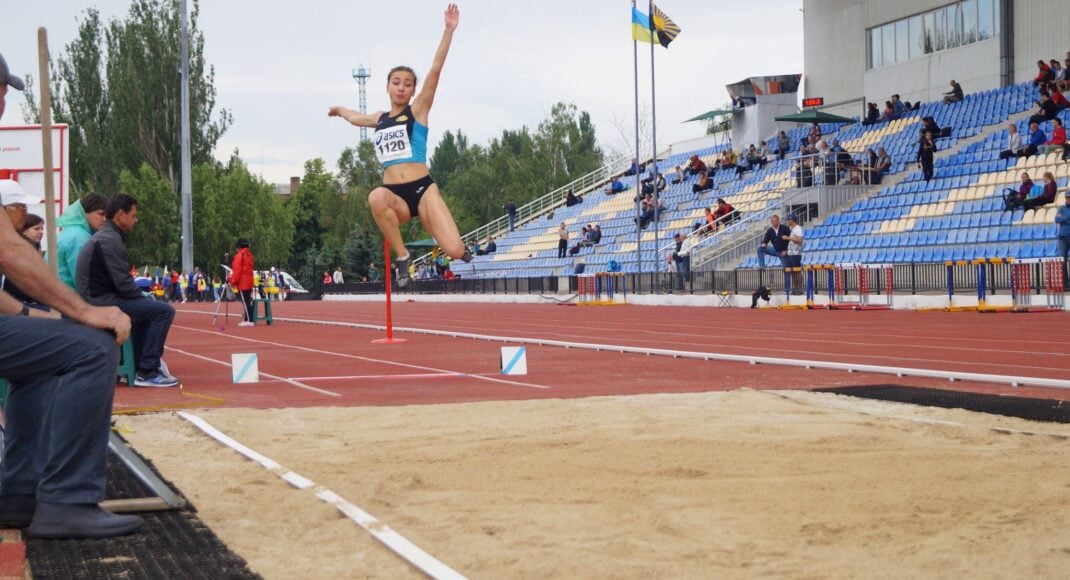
(294, 382)
(366, 359)
(1014, 381)
(412, 553)
(377, 377)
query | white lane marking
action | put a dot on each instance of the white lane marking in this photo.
(293, 382)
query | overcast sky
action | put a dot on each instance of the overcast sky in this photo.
(280, 64)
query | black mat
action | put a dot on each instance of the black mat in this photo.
(1048, 410)
(173, 544)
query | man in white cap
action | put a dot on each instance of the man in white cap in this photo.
(62, 379)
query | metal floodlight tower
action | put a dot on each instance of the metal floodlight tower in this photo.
(361, 75)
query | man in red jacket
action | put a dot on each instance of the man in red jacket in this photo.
(241, 277)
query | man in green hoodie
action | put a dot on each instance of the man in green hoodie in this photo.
(78, 222)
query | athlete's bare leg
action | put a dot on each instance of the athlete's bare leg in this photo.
(438, 221)
(390, 211)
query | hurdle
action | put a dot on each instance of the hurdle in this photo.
(837, 289)
(951, 306)
(387, 273)
(1050, 270)
(808, 289)
(982, 284)
(601, 289)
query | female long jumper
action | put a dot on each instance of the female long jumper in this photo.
(401, 146)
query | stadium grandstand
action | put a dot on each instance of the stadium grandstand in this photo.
(857, 52)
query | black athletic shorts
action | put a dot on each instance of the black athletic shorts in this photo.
(411, 192)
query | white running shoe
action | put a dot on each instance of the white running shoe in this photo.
(246, 323)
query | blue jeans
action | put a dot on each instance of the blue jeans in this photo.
(62, 379)
(1064, 249)
(150, 321)
(768, 250)
(683, 272)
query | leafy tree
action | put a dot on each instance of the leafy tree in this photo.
(155, 239)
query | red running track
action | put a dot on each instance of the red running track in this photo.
(312, 365)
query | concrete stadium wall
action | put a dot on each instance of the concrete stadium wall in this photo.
(835, 52)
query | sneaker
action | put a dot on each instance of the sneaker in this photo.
(159, 380)
(403, 270)
(246, 323)
(467, 257)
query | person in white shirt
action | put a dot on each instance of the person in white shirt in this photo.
(1016, 143)
(338, 279)
(794, 258)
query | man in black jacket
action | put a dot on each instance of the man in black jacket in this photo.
(774, 236)
(104, 280)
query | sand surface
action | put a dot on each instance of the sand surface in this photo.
(729, 485)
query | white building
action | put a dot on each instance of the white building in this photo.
(866, 50)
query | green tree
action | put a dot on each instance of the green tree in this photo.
(156, 238)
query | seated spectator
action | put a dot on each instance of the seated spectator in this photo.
(678, 175)
(492, 246)
(104, 280)
(804, 174)
(635, 169)
(78, 222)
(1056, 70)
(1047, 111)
(1064, 82)
(1036, 139)
(646, 214)
(725, 213)
(815, 131)
(572, 199)
(615, 187)
(1046, 195)
(955, 95)
(695, 166)
(764, 152)
(1014, 199)
(704, 184)
(889, 112)
(649, 188)
(651, 174)
(774, 237)
(32, 230)
(728, 159)
(899, 108)
(883, 166)
(754, 157)
(1044, 74)
(711, 222)
(783, 145)
(1058, 139)
(1057, 97)
(872, 114)
(1017, 143)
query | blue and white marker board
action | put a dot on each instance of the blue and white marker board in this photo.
(514, 360)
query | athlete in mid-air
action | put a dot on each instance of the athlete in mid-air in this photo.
(401, 146)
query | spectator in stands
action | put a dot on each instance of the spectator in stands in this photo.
(634, 169)
(492, 246)
(615, 187)
(338, 277)
(596, 233)
(1057, 97)
(725, 213)
(1016, 142)
(899, 108)
(648, 188)
(1047, 111)
(1056, 70)
(926, 150)
(888, 114)
(815, 131)
(327, 279)
(765, 152)
(872, 114)
(783, 145)
(695, 166)
(1044, 74)
(678, 175)
(804, 173)
(1036, 139)
(373, 273)
(510, 211)
(1063, 219)
(78, 222)
(646, 214)
(955, 95)
(682, 257)
(562, 240)
(728, 159)
(704, 184)
(1014, 199)
(104, 279)
(929, 124)
(795, 241)
(754, 157)
(1047, 195)
(572, 199)
(1058, 139)
(1064, 82)
(774, 242)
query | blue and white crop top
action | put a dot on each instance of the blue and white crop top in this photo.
(400, 139)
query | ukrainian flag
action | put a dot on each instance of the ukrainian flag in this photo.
(641, 27)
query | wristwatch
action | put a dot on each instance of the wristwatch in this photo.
(25, 310)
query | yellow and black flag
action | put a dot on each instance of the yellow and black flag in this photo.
(659, 30)
(665, 28)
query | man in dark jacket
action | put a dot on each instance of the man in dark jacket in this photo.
(774, 237)
(104, 279)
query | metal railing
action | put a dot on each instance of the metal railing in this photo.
(539, 207)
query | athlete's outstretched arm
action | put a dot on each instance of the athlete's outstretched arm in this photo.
(355, 117)
(421, 106)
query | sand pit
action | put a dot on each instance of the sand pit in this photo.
(737, 484)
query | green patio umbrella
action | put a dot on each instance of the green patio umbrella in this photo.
(424, 244)
(710, 115)
(814, 116)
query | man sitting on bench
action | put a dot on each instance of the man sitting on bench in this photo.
(103, 278)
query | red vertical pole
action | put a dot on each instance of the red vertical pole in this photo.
(387, 273)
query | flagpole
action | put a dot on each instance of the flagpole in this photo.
(654, 137)
(638, 174)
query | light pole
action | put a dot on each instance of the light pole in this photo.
(361, 75)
